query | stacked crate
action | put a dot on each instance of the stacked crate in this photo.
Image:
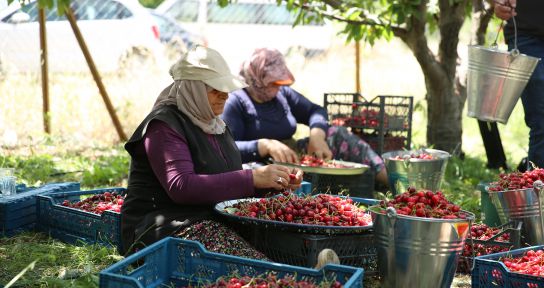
(18, 211)
(384, 122)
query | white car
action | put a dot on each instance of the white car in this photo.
(118, 33)
(243, 25)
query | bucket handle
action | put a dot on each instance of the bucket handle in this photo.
(537, 187)
(472, 245)
(406, 162)
(391, 212)
(392, 215)
(515, 51)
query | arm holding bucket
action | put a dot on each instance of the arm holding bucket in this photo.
(505, 9)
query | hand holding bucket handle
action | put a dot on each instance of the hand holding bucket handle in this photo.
(506, 9)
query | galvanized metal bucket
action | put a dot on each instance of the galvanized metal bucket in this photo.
(418, 173)
(418, 252)
(522, 205)
(495, 81)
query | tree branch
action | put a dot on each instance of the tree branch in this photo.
(482, 13)
(416, 40)
(397, 30)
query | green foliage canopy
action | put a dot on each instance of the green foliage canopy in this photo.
(369, 20)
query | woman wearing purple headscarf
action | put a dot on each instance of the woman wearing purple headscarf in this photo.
(263, 118)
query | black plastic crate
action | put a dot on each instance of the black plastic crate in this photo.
(512, 228)
(385, 122)
(361, 185)
(301, 248)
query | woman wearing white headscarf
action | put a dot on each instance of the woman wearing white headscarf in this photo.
(184, 160)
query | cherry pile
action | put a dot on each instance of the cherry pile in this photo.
(531, 263)
(424, 203)
(98, 203)
(268, 281)
(517, 180)
(322, 209)
(483, 232)
(390, 142)
(312, 161)
(363, 117)
(368, 118)
(480, 233)
(415, 155)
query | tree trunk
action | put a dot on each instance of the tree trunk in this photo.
(444, 97)
(444, 125)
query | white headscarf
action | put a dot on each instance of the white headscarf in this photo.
(195, 74)
(191, 98)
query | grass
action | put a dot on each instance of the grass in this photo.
(93, 167)
(51, 263)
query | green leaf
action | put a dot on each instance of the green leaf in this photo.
(223, 3)
(299, 18)
(62, 5)
(289, 4)
(45, 4)
(231, 210)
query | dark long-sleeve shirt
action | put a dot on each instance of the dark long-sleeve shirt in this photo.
(529, 19)
(171, 161)
(275, 119)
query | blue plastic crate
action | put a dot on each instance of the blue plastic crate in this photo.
(18, 212)
(76, 226)
(173, 262)
(490, 272)
(305, 188)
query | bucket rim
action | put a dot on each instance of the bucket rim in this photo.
(496, 50)
(508, 191)
(443, 155)
(470, 216)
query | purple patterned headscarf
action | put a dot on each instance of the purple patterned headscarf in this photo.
(265, 66)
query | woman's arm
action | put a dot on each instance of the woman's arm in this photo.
(171, 161)
(313, 115)
(305, 111)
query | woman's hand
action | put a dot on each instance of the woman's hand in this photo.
(317, 145)
(505, 9)
(277, 176)
(277, 150)
(295, 179)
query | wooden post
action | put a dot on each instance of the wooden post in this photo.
(357, 67)
(72, 19)
(44, 70)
